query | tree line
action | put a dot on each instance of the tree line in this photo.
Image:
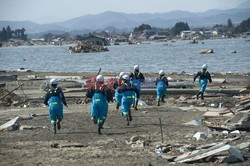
(244, 26)
(7, 33)
(179, 26)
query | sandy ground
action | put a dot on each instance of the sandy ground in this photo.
(78, 143)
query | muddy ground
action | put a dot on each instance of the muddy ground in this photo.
(78, 143)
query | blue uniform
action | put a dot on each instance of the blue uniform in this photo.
(127, 90)
(118, 96)
(137, 78)
(100, 98)
(204, 77)
(54, 99)
(161, 86)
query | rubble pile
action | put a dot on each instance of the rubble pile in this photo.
(8, 98)
(230, 119)
(86, 48)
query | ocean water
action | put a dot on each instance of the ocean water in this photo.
(176, 56)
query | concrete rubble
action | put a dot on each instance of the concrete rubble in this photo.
(200, 136)
(138, 141)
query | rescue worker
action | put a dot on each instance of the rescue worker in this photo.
(127, 91)
(100, 96)
(137, 78)
(54, 99)
(117, 85)
(161, 87)
(204, 77)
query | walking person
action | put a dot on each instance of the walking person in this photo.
(55, 100)
(100, 96)
(137, 78)
(127, 91)
(117, 86)
(161, 87)
(204, 77)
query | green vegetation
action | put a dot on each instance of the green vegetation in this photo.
(244, 26)
(7, 34)
(179, 26)
(142, 27)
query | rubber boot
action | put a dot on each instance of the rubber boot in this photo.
(158, 101)
(127, 120)
(99, 129)
(162, 99)
(202, 96)
(129, 115)
(197, 95)
(94, 120)
(117, 106)
(103, 123)
(59, 125)
(136, 103)
(54, 128)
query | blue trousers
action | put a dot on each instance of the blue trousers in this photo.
(118, 97)
(160, 92)
(203, 85)
(99, 110)
(55, 112)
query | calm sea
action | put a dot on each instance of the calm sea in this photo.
(176, 56)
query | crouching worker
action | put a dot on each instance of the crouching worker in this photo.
(161, 87)
(127, 90)
(100, 96)
(117, 85)
(54, 99)
(204, 76)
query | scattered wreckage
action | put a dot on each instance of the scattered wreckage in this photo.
(86, 48)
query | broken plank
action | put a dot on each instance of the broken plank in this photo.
(243, 145)
(11, 125)
(213, 114)
(203, 153)
(245, 102)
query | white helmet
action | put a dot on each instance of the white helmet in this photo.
(204, 67)
(100, 78)
(136, 67)
(121, 74)
(53, 81)
(161, 73)
(125, 77)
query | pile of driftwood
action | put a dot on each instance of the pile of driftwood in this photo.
(86, 48)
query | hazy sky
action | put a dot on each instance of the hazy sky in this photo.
(44, 10)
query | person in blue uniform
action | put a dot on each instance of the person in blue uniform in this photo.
(137, 78)
(100, 96)
(204, 77)
(117, 85)
(55, 99)
(127, 91)
(161, 87)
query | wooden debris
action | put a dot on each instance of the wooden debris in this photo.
(11, 91)
(26, 127)
(203, 153)
(11, 125)
(73, 145)
(240, 121)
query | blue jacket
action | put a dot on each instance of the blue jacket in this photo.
(55, 92)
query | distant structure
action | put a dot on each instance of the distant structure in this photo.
(96, 40)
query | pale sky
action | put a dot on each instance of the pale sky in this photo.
(59, 10)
